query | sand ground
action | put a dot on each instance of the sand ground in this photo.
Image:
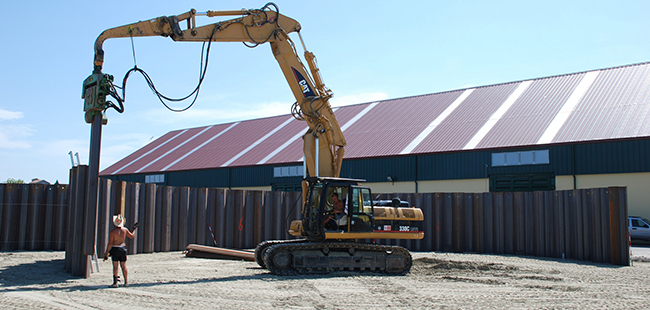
(437, 280)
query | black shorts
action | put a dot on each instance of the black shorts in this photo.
(118, 253)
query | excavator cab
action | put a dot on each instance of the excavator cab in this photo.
(359, 217)
(334, 205)
(356, 204)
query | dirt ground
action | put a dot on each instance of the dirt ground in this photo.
(437, 280)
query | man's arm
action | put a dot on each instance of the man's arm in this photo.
(130, 234)
(108, 246)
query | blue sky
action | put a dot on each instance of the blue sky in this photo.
(366, 50)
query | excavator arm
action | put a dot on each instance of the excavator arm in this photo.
(323, 142)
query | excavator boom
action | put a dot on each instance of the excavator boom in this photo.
(255, 27)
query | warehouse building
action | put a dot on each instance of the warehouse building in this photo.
(580, 130)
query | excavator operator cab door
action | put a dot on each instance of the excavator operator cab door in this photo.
(361, 209)
(312, 214)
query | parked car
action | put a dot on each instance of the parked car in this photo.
(639, 228)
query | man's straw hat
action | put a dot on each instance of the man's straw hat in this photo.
(118, 220)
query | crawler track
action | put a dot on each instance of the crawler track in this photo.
(265, 245)
(307, 257)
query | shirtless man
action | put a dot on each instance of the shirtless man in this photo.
(338, 211)
(338, 204)
(117, 248)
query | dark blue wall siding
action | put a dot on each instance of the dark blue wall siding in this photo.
(136, 178)
(378, 169)
(287, 180)
(224, 177)
(251, 176)
(447, 166)
(613, 157)
(623, 156)
(197, 178)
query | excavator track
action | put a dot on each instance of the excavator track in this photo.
(265, 245)
(291, 258)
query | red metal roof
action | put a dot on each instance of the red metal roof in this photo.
(465, 121)
(225, 147)
(391, 125)
(152, 151)
(526, 120)
(610, 103)
(616, 106)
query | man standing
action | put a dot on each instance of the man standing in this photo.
(117, 248)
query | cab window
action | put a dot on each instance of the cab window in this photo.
(342, 195)
(361, 201)
(315, 196)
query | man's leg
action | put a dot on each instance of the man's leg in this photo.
(115, 274)
(125, 273)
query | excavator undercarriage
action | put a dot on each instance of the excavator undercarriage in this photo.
(290, 258)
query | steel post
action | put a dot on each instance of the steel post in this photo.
(90, 223)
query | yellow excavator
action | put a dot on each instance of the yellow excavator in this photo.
(340, 222)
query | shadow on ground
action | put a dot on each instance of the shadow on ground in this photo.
(38, 272)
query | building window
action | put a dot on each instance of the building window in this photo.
(538, 157)
(154, 178)
(289, 171)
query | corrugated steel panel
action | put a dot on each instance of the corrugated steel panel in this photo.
(152, 151)
(156, 161)
(219, 151)
(293, 152)
(526, 120)
(457, 129)
(259, 151)
(392, 124)
(616, 106)
(196, 143)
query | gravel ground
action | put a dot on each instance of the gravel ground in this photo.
(437, 280)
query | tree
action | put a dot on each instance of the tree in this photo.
(15, 181)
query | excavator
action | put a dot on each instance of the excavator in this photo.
(328, 239)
